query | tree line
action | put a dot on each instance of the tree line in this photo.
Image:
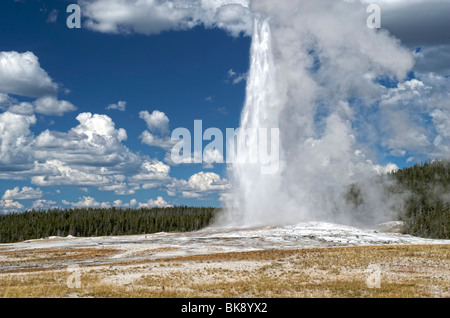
(89, 222)
(427, 204)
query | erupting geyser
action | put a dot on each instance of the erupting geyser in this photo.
(312, 75)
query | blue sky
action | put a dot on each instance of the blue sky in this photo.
(74, 101)
(185, 74)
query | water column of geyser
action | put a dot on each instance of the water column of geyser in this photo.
(261, 199)
(250, 205)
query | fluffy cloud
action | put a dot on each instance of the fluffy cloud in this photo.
(15, 138)
(158, 203)
(90, 154)
(404, 117)
(21, 74)
(24, 108)
(204, 183)
(90, 202)
(153, 17)
(403, 134)
(7, 206)
(98, 125)
(120, 188)
(25, 194)
(46, 105)
(120, 204)
(49, 105)
(158, 133)
(157, 121)
(44, 205)
(87, 202)
(151, 140)
(95, 142)
(153, 171)
(56, 173)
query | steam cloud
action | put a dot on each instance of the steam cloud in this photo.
(309, 60)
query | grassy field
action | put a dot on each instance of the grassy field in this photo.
(355, 272)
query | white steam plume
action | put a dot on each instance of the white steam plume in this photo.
(309, 59)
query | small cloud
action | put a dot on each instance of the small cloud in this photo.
(209, 99)
(44, 205)
(120, 106)
(120, 204)
(231, 73)
(156, 121)
(158, 203)
(223, 110)
(87, 202)
(240, 78)
(236, 78)
(52, 16)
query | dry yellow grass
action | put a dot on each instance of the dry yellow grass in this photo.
(36, 259)
(403, 271)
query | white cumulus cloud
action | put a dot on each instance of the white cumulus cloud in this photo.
(25, 194)
(203, 183)
(44, 205)
(88, 202)
(15, 138)
(49, 105)
(158, 203)
(21, 74)
(157, 121)
(7, 206)
(93, 125)
(153, 17)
